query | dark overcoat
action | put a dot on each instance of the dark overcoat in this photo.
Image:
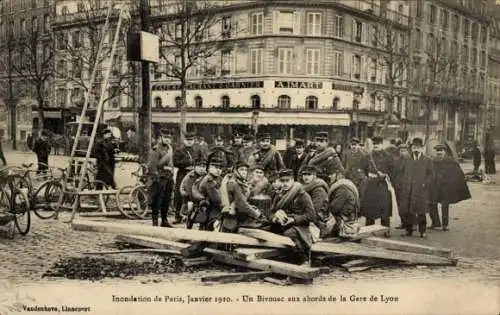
(105, 160)
(415, 197)
(450, 185)
(293, 161)
(356, 168)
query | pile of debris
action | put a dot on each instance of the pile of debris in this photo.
(267, 252)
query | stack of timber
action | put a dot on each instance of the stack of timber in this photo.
(266, 253)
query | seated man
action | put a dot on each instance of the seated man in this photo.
(236, 211)
(259, 184)
(186, 188)
(291, 213)
(343, 205)
(315, 187)
(207, 191)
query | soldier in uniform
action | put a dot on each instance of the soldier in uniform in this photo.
(186, 188)
(248, 149)
(259, 183)
(325, 159)
(160, 169)
(220, 152)
(356, 166)
(237, 149)
(377, 199)
(268, 156)
(105, 159)
(184, 158)
(315, 187)
(402, 179)
(291, 213)
(295, 157)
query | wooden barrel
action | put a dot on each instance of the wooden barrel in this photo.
(262, 202)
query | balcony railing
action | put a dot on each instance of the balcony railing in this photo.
(85, 16)
(376, 10)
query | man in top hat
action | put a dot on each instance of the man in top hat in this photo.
(315, 187)
(220, 152)
(268, 156)
(42, 150)
(292, 212)
(356, 166)
(105, 159)
(184, 159)
(325, 159)
(449, 187)
(415, 196)
(160, 169)
(377, 199)
(294, 157)
(248, 149)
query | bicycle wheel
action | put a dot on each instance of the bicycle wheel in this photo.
(124, 201)
(20, 208)
(44, 201)
(139, 204)
(20, 182)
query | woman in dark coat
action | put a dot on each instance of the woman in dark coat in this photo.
(449, 187)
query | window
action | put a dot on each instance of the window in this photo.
(77, 68)
(178, 31)
(335, 104)
(431, 43)
(373, 70)
(158, 102)
(34, 24)
(432, 14)
(178, 102)
(46, 23)
(61, 41)
(255, 99)
(356, 62)
(338, 63)
(23, 26)
(358, 31)
(284, 101)
(61, 68)
(484, 33)
(474, 57)
(454, 25)
(465, 54)
(226, 27)
(475, 33)
(226, 62)
(483, 59)
(77, 39)
(444, 19)
(198, 102)
(312, 61)
(285, 57)
(418, 38)
(178, 63)
(225, 101)
(466, 28)
(64, 10)
(311, 102)
(286, 23)
(257, 23)
(156, 71)
(76, 95)
(420, 8)
(373, 101)
(33, 4)
(114, 96)
(339, 26)
(256, 56)
(454, 49)
(61, 97)
(314, 24)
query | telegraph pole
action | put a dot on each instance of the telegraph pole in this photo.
(145, 109)
(12, 100)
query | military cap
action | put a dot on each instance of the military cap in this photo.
(308, 169)
(105, 131)
(216, 162)
(258, 166)
(189, 135)
(264, 136)
(377, 140)
(219, 138)
(237, 136)
(241, 163)
(285, 173)
(322, 135)
(417, 142)
(313, 146)
(248, 138)
(200, 161)
(355, 140)
(440, 147)
(299, 142)
(165, 133)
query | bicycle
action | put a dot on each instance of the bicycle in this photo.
(138, 197)
(14, 202)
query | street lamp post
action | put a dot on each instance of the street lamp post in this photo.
(357, 94)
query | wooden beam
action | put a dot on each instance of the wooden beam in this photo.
(237, 277)
(98, 192)
(267, 236)
(111, 214)
(151, 242)
(141, 250)
(296, 271)
(170, 233)
(406, 247)
(197, 262)
(361, 250)
(247, 253)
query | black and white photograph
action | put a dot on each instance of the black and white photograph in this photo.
(249, 157)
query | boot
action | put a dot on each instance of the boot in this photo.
(155, 220)
(164, 223)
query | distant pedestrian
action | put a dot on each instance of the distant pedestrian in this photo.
(42, 150)
(476, 157)
(489, 160)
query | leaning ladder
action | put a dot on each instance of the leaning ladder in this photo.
(84, 168)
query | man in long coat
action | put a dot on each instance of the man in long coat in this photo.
(377, 200)
(356, 166)
(105, 159)
(220, 152)
(184, 158)
(449, 187)
(268, 156)
(325, 159)
(402, 179)
(415, 198)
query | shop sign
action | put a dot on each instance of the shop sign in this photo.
(298, 85)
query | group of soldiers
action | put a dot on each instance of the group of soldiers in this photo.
(310, 192)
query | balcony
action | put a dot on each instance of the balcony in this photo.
(368, 8)
(84, 17)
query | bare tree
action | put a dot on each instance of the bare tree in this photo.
(34, 51)
(193, 34)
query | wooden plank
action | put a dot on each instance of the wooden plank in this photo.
(361, 250)
(276, 281)
(141, 250)
(98, 192)
(170, 233)
(237, 277)
(267, 236)
(369, 231)
(197, 262)
(248, 253)
(296, 271)
(101, 214)
(151, 242)
(407, 247)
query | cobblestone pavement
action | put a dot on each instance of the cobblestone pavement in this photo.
(474, 237)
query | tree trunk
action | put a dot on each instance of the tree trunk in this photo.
(183, 122)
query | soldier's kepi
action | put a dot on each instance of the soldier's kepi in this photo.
(325, 159)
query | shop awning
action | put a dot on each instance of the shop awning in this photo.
(307, 119)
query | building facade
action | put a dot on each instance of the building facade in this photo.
(492, 121)
(18, 18)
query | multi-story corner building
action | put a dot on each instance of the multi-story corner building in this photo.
(450, 64)
(17, 18)
(291, 67)
(492, 120)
